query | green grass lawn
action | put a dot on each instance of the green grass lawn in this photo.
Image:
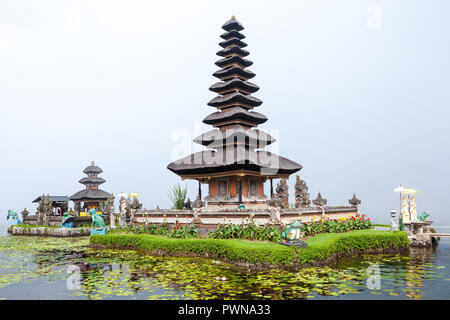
(320, 247)
(382, 225)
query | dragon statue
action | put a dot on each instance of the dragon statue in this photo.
(423, 216)
(67, 219)
(14, 218)
(98, 222)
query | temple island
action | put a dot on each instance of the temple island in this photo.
(234, 166)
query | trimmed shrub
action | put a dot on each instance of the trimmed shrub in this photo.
(320, 247)
(249, 231)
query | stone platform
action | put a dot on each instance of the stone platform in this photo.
(49, 232)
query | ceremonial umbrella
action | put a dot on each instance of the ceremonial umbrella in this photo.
(123, 195)
(401, 190)
(410, 191)
(134, 194)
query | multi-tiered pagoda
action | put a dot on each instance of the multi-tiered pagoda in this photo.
(234, 166)
(91, 196)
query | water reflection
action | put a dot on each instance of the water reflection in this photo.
(125, 274)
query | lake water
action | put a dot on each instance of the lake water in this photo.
(58, 268)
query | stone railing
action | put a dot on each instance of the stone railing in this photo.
(213, 217)
(49, 232)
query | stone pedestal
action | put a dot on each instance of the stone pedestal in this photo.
(394, 225)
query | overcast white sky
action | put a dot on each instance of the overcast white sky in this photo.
(361, 103)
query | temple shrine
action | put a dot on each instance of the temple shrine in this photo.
(91, 196)
(234, 166)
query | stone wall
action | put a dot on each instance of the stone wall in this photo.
(212, 218)
(49, 232)
(56, 220)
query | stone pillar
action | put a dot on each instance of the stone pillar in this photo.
(394, 226)
(123, 212)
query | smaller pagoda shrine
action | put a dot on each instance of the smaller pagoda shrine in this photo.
(91, 196)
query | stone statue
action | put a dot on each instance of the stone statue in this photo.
(413, 209)
(64, 207)
(292, 234)
(394, 226)
(41, 211)
(320, 202)
(77, 208)
(276, 201)
(13, 218)
(135, 204)
(48, 210)
(198, 203)
(123, 212)
(67, 219)
(275, 214)
(109, 210)
(282, 193)
(98, 223)
(301, 193)
(423, 216)
(355, 202)
(188, 204)
(44, 210)
(405, 211)
(25, 213)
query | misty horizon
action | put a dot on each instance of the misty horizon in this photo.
(362, 107)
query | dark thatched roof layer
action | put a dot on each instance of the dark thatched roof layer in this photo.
(210, 161)
(233, 59)
(232, 24)
(224, 73)
(233, 50)
(92, 180)
(232, 34)
(218, 138)
(90, 194)
(236, 113)
(234, 83)
(93, 169)
(237, 147)
(233, 41)
(56, 199)
(235, 97)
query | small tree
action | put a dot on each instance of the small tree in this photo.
(178, 196)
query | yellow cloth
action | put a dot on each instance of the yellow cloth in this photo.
(413, 209)
(405, 210)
